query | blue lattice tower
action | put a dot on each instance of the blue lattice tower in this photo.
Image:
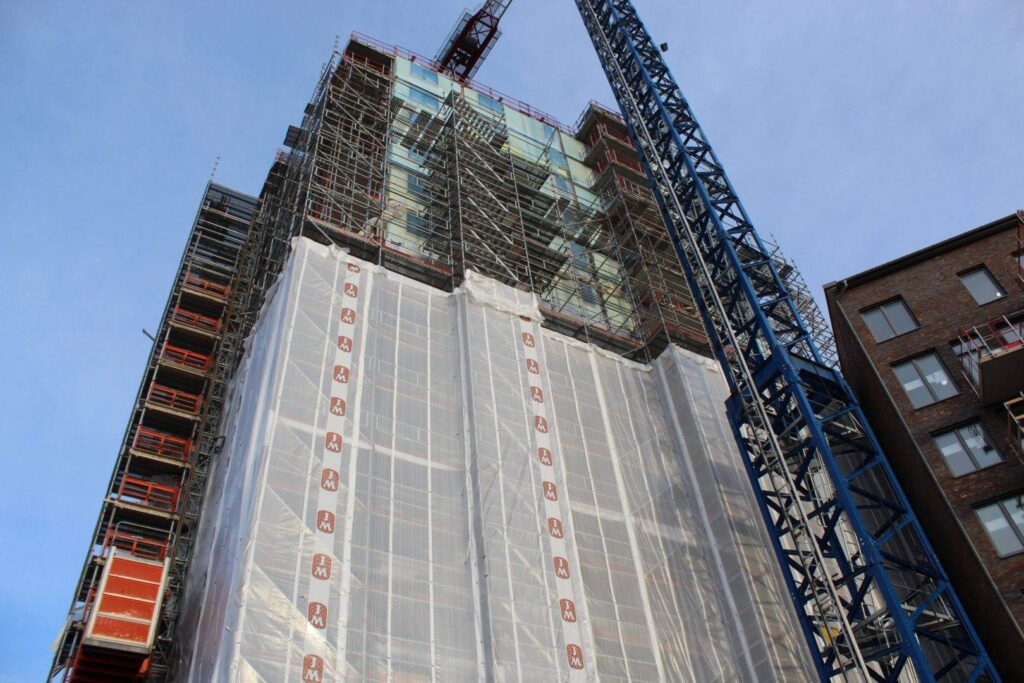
(872, 598)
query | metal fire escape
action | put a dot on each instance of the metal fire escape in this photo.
(471, 40)
(873, 601)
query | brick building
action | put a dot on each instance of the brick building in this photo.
(933, 345)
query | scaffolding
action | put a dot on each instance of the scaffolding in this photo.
(150, 513)
(431, 186)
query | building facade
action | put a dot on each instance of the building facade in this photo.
(455, 417)
(933, 345)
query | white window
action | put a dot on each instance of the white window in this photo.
(1004, 522)
(982, 286)
(925, 380)
(967, 449)
(889, 320)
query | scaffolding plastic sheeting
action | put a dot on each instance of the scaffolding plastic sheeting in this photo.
(418, 485)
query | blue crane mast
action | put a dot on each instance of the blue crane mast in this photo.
(873, 601)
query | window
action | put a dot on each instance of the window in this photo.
(1004, 522)
(557, 159)
(588, 293)
(579, 255)
(967, 449)
(561, 183)
(424, 74)
(418, 225)
(415, 157)
(425, 99)
(925, 380)
(982, 286)
(889, 320)
(490, 103)
(417, 187)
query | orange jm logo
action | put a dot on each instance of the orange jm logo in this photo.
(337, 406)
(537, 394)
(528, 340)
(321, 567)
(550, 492)
(345, 344)
(312, 669)
(540, 424)
(568, 610)
(325, 521)
(351, 290)
(333, 442)
(353, 268)
(555, 527)
(329, 480)
(533, 366)
(544, 455)
(348, 316)
(317, 615)
(561, 567)
(341, 374)
(575, 655)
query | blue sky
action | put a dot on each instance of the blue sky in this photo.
(853, 131)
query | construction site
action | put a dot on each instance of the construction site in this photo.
(468, 393)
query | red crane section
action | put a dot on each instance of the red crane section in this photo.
(471, 40)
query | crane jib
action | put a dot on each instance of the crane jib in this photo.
(873, 601)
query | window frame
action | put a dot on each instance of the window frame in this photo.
(955, 431)
(880, 307)
(913, 362)
(982, 268)
(417, 225)
(1000, 504)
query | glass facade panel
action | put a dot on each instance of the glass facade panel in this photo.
(425, 99)
(424, 74)
(982, 286)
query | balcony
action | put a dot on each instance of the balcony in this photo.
(1015, 424)
(992, 358)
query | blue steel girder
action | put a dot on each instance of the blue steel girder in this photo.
(872, 599)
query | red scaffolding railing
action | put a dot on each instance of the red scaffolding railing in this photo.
(172, 398)
(196, 320)
(148, 493)
(139, 540)
(160, 443)
(602, 131)
(612, 157)
(189, 359)
(201, 284)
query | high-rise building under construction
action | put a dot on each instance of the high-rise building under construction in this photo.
(436, 406)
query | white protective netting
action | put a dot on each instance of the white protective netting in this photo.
(426, 486)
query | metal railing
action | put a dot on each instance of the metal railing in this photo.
(979, 343)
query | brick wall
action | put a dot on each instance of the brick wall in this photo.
(944, 503)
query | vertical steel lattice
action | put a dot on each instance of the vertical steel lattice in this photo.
(872, 598)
